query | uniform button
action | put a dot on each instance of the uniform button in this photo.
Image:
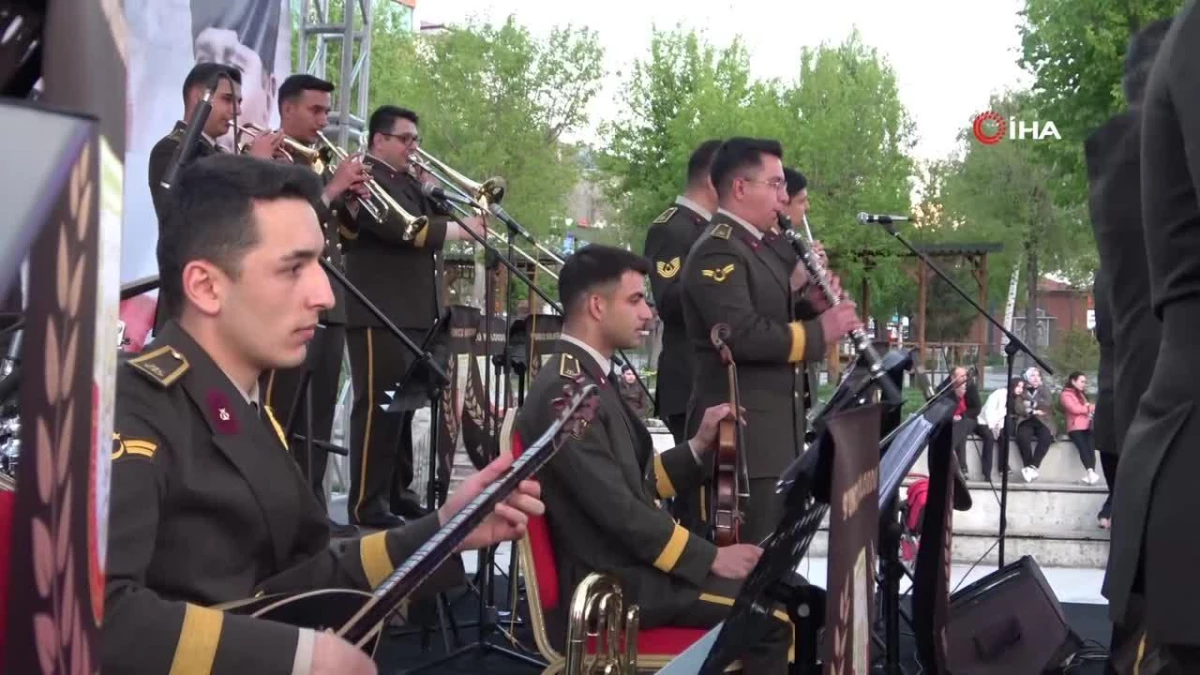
(339, 246)
(327, 259)
(795, 394)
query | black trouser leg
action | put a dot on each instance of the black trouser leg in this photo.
(281, 387)
(1108, 464)
(961, 429)
(1083, 443)
(763, 511)
(378, 361)
(769, 656)
(678, 427)
(1044, 439)
(1025, 433)
(987, 444)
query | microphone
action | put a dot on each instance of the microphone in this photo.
(436, 192)
(194, 128)
(513, 225)
(869, 218)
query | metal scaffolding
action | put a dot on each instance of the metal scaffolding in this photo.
(318, 34)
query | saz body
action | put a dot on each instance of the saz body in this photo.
(358, 616)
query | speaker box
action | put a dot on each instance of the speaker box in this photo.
(1008, 622)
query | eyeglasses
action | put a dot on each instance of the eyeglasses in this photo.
(774, 183)
(404, 138)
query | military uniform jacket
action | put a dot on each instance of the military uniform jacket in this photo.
(731, 277)
(600, 492)
(400, 277)
(668, 241)
(207, 507)
(161, 157)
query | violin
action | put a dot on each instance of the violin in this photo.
(731, 482)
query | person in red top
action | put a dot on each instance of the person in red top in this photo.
(966, 420)
(1079, 412)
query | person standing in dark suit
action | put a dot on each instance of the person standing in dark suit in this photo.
(601, 488)
(399, 273)
(207, 507)
(1150, 580)
(304, 105)
(1126, 327)
(668, 241)
(732, 277)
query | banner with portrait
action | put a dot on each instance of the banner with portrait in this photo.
(166, 39)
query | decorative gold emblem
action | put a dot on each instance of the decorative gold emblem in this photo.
(719, 275)
(669, 268)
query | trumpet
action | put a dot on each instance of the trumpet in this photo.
(379, 205)
(485, 197)
(291, 149)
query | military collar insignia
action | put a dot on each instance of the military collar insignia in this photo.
(669, 268)
(162, 366)
(722, 231)
(221, 412)
(665, 215)
(569, 367)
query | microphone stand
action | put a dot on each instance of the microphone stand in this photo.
(187, 146)
(1014, 346)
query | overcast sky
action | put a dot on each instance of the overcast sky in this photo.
(949, 55)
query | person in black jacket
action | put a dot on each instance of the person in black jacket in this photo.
(966, 420)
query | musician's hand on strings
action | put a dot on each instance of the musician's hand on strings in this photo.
(736, 561)
(706, 435)
(508, 520)
(267, 146)
(839, 321)
(334, 656)
(799, 276)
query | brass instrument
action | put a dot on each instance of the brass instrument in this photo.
(379, 205)
(598, 612)
(481, 196)
(291, 149)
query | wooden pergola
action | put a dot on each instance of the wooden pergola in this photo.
(976, 254)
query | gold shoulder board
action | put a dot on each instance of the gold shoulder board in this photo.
(722, 231)
(665, 215)
(568, 367)
(162, 366)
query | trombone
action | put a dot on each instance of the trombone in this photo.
(379, 205)
(481, 196)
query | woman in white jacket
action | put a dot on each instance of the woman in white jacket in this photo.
(992, 416)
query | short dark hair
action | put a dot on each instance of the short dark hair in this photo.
(384, 118)
(795, 181)
(592, 266)
(206, 74)
(739, 154)
(1139, 58)
(211, 214)
(295, 85)
(700, 163)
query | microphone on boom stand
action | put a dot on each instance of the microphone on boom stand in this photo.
(195, 127)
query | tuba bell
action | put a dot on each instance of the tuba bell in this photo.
(598, 613)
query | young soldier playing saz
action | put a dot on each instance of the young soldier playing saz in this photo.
(601, 488)
(207, 506)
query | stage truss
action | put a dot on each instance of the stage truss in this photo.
(351, 41)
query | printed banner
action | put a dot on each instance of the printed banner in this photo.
(464, 325)
(166, 39)
(480, 425)
(543, 333)
(931, 578)
(853, 528)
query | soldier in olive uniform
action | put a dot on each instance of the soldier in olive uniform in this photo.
(668, 241)
(399, 273)
(601, 488)
(304, 104)
(733, 277)
(207, 505)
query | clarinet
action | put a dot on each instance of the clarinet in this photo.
(859, 336)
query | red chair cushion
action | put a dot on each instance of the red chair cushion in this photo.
(138, 315)
(665, 641)
(545, 567)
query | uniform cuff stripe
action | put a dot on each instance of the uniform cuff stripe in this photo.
(198, 640)
(673, 550)
(798, 341)
(778, 614)
(376, 562)
(662, 480)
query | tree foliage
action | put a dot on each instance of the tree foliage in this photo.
(1075, 49)
(840, 122)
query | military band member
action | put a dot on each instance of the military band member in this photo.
(601, 488)
(733, 277)
(304, 105)
(207, 505)
(668, 241)
(400, 276)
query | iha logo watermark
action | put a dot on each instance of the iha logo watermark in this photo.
(990, 128)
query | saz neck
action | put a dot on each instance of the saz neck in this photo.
(408, 576)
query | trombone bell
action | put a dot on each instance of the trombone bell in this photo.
(599, 616)
(490, 191)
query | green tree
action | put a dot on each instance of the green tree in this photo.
(840, 122)
(1075, 50)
